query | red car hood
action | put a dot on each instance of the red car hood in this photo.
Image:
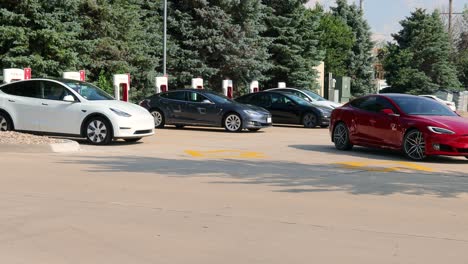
(457, 124)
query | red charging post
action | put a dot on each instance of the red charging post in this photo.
(27, 73)
(228, 89)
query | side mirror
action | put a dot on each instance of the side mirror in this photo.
(69, 98)
(206, 101)
(388, 111)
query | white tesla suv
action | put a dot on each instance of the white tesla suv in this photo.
(72, 108)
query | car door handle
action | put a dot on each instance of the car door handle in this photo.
(9, 100)
(45, 104)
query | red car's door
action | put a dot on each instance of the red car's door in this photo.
(386, 125)
(366, 115)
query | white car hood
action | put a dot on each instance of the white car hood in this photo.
(328, 104)
(129, 108)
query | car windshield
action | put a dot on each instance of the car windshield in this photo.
(298, 100)
(422, 106)
(314, 96)
(88, 91)
(217, 98)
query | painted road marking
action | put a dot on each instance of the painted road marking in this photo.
(384, 166)
(225, 154)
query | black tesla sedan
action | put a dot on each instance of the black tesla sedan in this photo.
(204, 108)
(287, 108)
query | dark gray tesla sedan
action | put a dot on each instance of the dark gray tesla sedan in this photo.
(204, 108)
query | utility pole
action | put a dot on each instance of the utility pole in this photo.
(360, 4)
(450, 17)
(165, 38)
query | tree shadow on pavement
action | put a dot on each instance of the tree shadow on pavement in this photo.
(286, 176)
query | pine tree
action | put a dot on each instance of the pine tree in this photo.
(39, 34)
(419, 62)
(294, 49)
(360, 59)
(216, 40)
(336, 40)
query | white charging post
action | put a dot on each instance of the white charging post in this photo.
(162, 84)
(121, 81)
(14, 74)
(254, 87)
(197, 83)
(77, 75)
(228, 88)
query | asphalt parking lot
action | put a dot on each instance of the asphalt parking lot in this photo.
(202, 195)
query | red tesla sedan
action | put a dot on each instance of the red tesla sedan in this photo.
(418, 126)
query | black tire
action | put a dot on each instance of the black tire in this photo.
(104, 133)
(233, 122)
(309, 120)
(131, 140)
(414, 145)
(341, 137)
(466, 157)
(5, 122)
(324, 126)
(254, 129)
(159, 120)
(179, 126)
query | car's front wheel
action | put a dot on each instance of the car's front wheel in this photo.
(5, 123)
(98, 131)
(341, 137)
(310, 120)
(158, 118)
(414, 145)
(233, 123)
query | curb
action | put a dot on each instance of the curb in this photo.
(68, 146)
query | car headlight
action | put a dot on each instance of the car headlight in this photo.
(252, 113)
(120, 113)
(439, 130)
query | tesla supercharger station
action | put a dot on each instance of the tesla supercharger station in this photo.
(161, 84)
(197, 83)
(254, 87)
(78, 76)
(228, 88)
(121, 82)
(11, 75)
(281, 85)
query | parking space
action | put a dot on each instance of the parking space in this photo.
(202, 195)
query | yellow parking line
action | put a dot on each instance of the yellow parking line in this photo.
(384, 166)
(225, 154)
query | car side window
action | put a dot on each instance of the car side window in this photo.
(261, 99)
(383, 103)
(196, 97)
(54, 91)
(245, 99)
(370, 104)
(178, 95)
(26, 89)
(278, 99)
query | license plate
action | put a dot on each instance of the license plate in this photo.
(269, 120)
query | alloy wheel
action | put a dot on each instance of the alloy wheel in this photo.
(3, 124)
(414, 145)
(233, 123)
(341, 137)
(158, 118)
(97, 131)
(309, 120)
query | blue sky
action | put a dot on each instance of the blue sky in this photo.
(384, 15)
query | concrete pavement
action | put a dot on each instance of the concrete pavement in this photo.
(284, 195)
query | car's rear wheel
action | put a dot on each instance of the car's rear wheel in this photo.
(158, 118)
(341, 137)
(414, 145)
(254, 129)
(5, 123)
(310, 120)
(233, 123)
(131, 140)
(98, 131)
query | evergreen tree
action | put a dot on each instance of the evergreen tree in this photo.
(39, 34)
(294, 49)
(419, 62)
(336, 41)
(216, 40)
(360, 59)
